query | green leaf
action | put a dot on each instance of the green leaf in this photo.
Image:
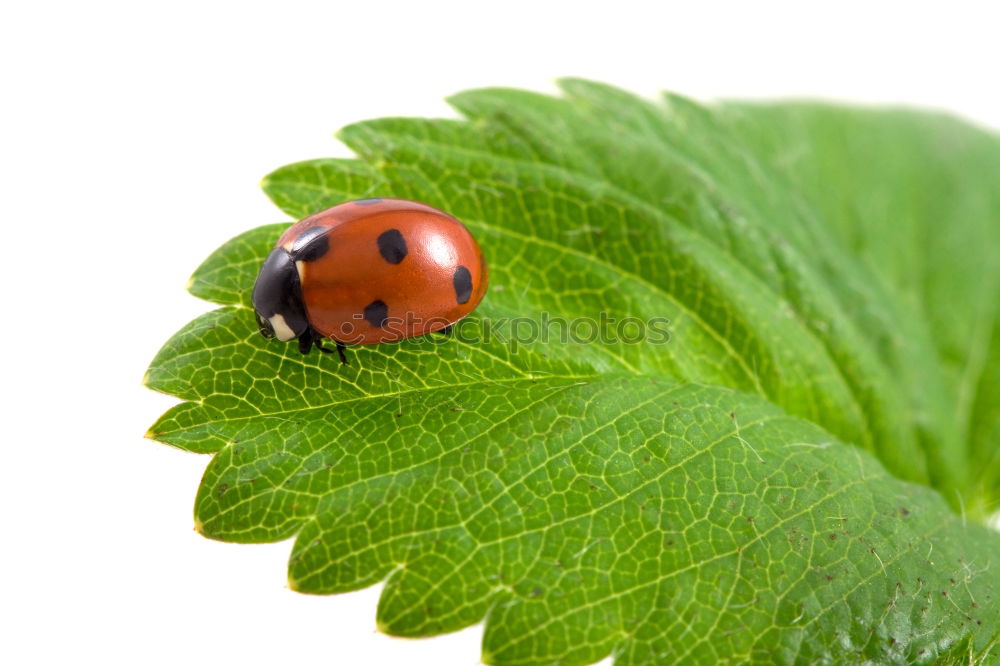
(942, 262)
(227, 275)
(769, 482)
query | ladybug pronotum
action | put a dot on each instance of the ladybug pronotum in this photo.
(367, 272)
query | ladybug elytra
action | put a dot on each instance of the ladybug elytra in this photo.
(366, 272)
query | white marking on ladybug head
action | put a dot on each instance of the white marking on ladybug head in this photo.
(282, 330)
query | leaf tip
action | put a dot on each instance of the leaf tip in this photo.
(199, 526)
(190, 284)
(486, 657)
(382, 627)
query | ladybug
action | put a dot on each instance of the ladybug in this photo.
(366, 272)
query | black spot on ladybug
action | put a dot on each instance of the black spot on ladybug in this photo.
(462, 279)
(376, 313)
(311, 244)
(392, 246)
(367, 202)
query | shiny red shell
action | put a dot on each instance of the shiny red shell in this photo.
(392, 269)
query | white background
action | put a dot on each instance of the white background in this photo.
(134, 136)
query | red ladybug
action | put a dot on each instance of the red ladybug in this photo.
(366, 272)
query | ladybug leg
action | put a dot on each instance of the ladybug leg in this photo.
(310, 338)
(446, 330)
(325, 350)
(305, 344)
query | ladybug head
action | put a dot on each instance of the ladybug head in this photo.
(277, 298)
